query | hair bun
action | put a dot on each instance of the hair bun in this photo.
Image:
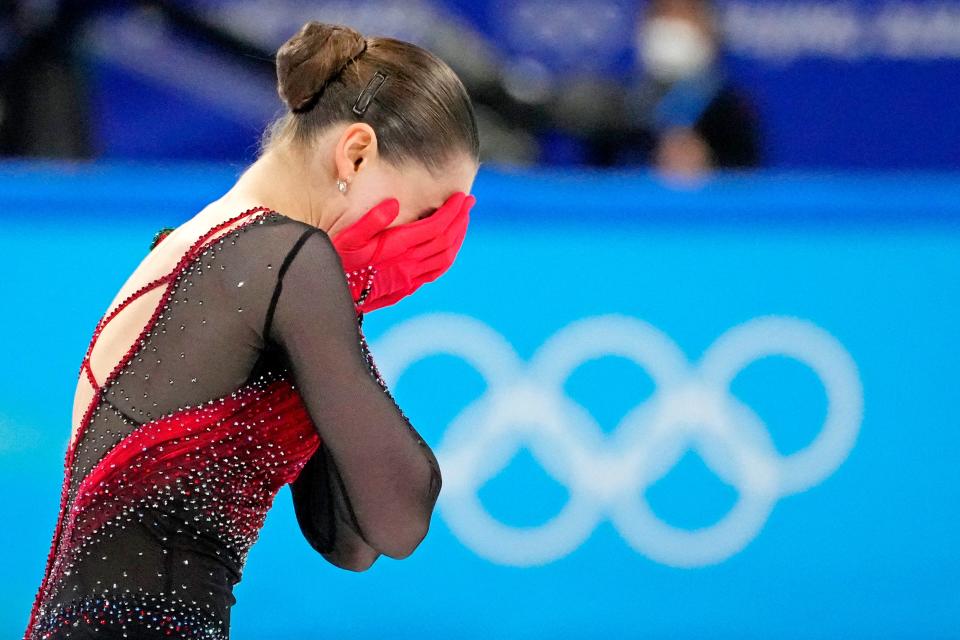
(312, 57)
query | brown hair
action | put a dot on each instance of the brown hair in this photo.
(420, 112)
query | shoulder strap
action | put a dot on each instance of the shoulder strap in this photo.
(268, 320)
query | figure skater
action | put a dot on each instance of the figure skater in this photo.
(232, 361)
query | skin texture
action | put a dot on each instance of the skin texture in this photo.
(297, 182)
(300, 182)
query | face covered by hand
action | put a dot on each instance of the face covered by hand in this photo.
(384, 264)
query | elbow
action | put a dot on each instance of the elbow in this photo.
(358, 560)
(360, 567)
(400, 540)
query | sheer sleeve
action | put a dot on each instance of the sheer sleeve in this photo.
(374, 481)
(325, 516)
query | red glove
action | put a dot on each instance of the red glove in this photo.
(384, 265)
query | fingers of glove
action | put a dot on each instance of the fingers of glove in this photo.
(444, 260)
(414, 233)
(434, 268)
(439, 261)
(425, 240)
(461, 234)
(370, 224)
(429, 235)
(401, 281)
(405, 278)
(453, 243)
(454, 249)
(445, 214)
(428, 249)
(468, 203)
(452, 236)
(449, 240)
(447, 245)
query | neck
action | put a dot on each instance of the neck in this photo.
(285, 180)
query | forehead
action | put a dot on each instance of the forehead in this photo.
(433, 188)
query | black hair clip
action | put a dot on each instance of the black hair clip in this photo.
(369, 91)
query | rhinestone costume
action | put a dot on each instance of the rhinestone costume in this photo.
(248, 372)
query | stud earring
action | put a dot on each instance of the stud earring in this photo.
(342, 184)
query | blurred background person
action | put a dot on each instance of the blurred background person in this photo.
(570, 83)
(679, 112)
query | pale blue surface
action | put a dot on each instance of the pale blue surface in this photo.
(873, 260)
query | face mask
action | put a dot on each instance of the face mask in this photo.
(673, 49)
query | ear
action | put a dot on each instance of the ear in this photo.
(356, 148)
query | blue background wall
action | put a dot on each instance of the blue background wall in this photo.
(861, 272)
(861, 84)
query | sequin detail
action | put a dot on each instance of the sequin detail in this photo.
(195, 483)
(375, 373)
(360, 283)
(128, 616)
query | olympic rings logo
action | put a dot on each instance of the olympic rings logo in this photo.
(524, 406)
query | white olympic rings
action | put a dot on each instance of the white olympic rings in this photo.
(691, 407)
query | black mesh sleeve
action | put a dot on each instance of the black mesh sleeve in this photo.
(325, 516)
(373, 481)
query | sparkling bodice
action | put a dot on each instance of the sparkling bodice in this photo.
(242, 379)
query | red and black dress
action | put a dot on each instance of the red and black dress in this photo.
(246, 370)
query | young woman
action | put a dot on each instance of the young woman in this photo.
(232, 360)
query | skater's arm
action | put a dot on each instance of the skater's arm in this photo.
(390, 477)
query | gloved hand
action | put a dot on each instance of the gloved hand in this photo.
(384, 265)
